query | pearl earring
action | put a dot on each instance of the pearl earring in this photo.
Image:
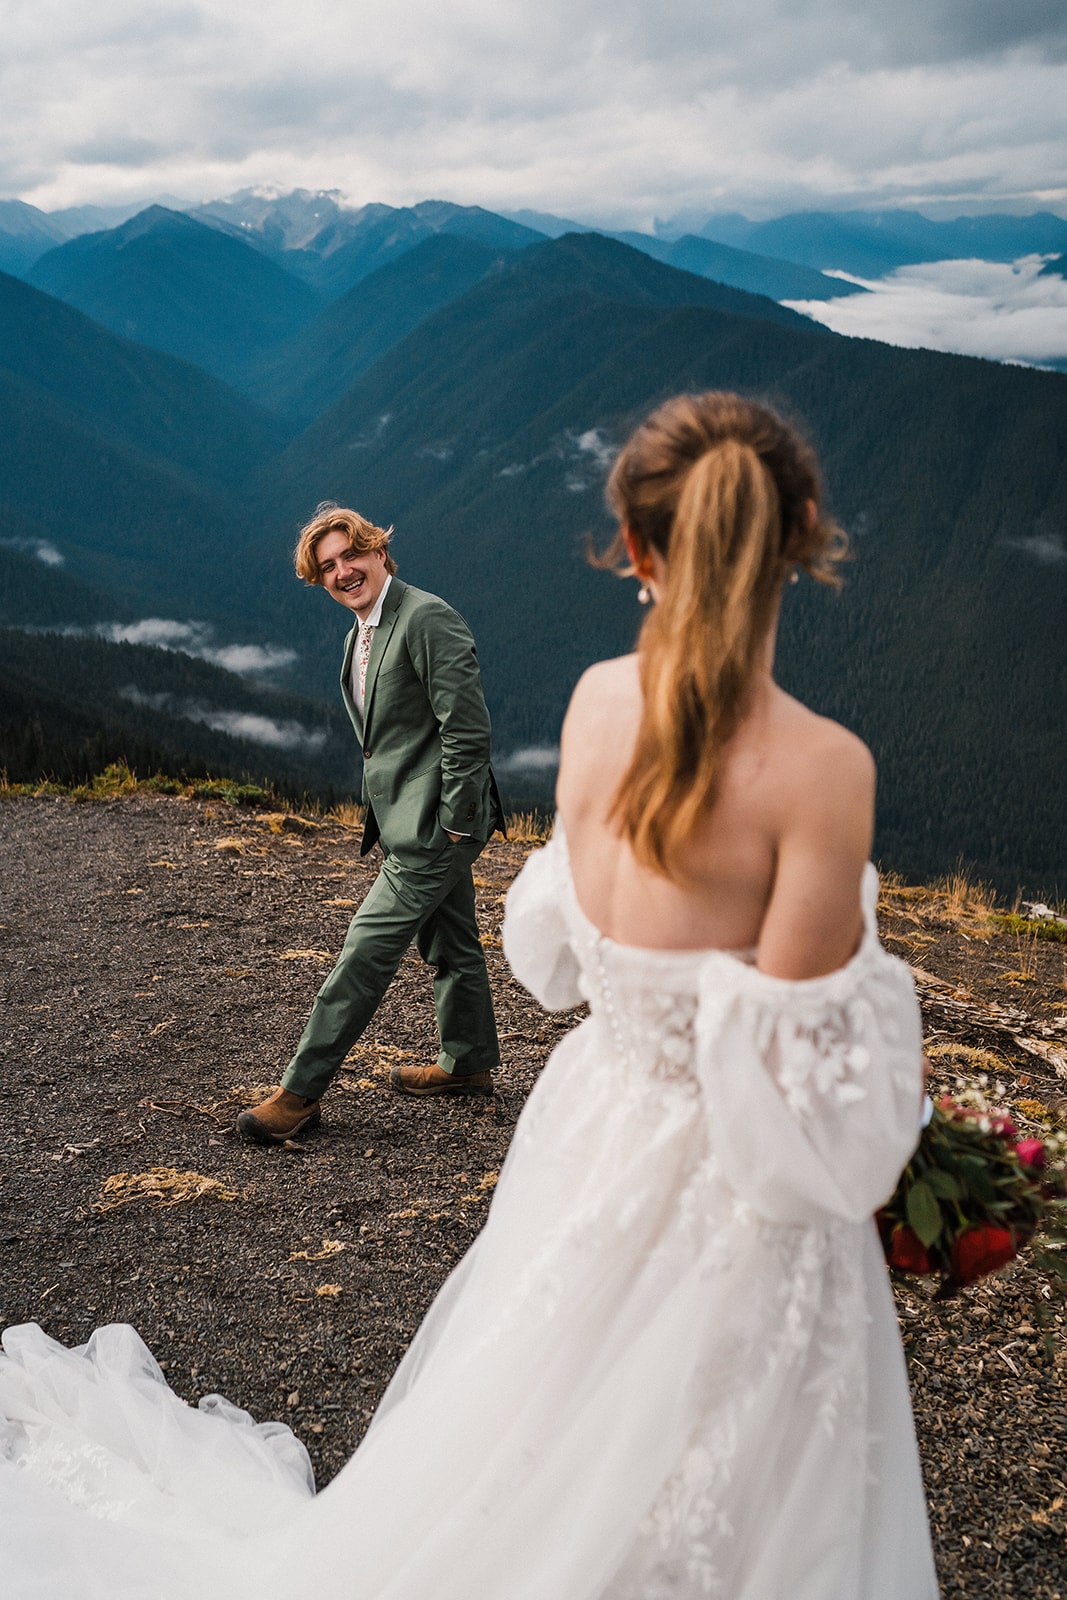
(644, 595)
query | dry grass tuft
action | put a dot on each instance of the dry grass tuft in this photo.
(348, 815)
(375, 1058)
(956, 901)
(964, 901)
(482, 1189)
(1048, 1117)
(221, 1112)
(1026, 952)
(247, 1094)
(160, 1186)
(970, 1058)
(288, 821)
(330, 1247)
(528, 827)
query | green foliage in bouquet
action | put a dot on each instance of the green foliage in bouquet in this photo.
(973, 1194)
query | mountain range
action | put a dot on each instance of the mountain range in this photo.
(331, 246)
(873, 243)
(472, 389)
(322, 239)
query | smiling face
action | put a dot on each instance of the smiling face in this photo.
(354, 581)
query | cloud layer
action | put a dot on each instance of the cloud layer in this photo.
(194, 639)
(43, 549)
(275, 733)
(616, 115)
(1007, 312)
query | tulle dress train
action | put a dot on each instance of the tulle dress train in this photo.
(669, 1367)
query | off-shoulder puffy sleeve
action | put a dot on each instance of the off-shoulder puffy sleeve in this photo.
(814, 1088)
(536, 935)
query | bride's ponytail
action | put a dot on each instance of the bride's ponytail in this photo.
(720, 488)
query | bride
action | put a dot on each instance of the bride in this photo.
(670, 1366)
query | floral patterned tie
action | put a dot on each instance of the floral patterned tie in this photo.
(366, 634)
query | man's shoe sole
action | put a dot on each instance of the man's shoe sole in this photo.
(250, 1128)
(473, 1083)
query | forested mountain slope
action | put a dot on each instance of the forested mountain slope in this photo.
(72, 705)
(120, 520)
(129, 464)
(181, 286)
(37, 592)
(309, 372)
(151, 402)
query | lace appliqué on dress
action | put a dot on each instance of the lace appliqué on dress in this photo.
(818, 1057)
(79, 1472)
(807, 1302)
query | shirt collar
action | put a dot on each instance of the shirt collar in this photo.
(375, 617)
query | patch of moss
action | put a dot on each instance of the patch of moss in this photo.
(237, 794)
(1038, 927)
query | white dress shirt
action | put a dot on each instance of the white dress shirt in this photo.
(370, 621)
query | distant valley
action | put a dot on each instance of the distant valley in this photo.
(177, 393)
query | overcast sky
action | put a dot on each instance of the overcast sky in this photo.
(615, 113)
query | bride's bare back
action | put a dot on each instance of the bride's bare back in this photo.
(774, 865)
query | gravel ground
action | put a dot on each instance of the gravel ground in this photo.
(159, 958)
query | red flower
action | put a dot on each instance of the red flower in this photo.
(981, 1250)
(906, 1250)
(1031, 1153)
(1003, 1126)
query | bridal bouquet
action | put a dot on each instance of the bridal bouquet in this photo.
(973, 1194)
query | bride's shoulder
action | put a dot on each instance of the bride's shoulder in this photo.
(815, 747)
(605, 695)
(616, 676)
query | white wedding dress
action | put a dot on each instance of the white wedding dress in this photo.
(668, 1368)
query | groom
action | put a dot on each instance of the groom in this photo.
(412, 688)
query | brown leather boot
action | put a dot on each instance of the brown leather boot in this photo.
(280, 1116)
(434, 1080)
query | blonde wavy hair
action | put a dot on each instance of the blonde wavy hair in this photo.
(363, 536)
(720, 487)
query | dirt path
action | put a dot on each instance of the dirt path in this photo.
(158, 958)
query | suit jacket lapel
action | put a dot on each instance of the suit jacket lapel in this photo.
(378, 645)
(346, 683)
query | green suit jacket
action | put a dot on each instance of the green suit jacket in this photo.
(424, 730)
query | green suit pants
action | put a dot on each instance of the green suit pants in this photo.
(432, 903)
